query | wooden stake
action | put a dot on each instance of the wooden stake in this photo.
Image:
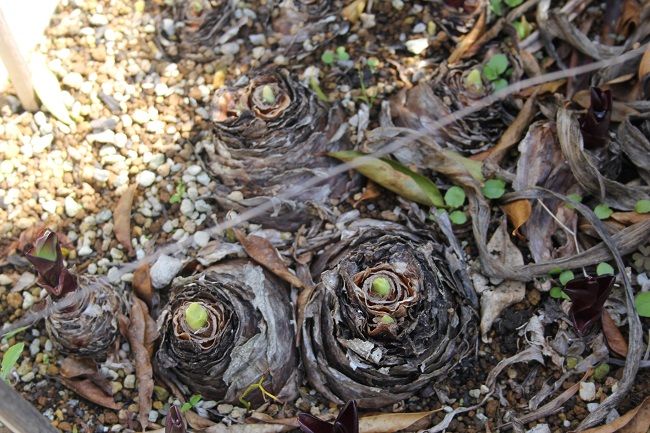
(18, 415)
(16, 66)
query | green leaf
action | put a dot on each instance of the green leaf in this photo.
(513, 3)
(603, 211)
(497, 64)
(267, 94)
(490, 73)
(523, 28)
(185, 407)
(604, 269)
(497, 7)
(327, 57)
(395, 177)
(474, 168)
(14, 332)
(565, 277)
(455, 197)
(381, 287)
(555, 271)
(576, 198)
(342, 54)
(196, 316)
(494, 188)
(642, 206)
(315, 87)
(642, 303)
(557, 293)
(373, 63)
(601, 371)
(499, 84)
(195, 399)
(177, 197)
(10, 358)
(458, 217)
(473, 81)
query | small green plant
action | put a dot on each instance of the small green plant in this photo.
(604, 269)
(315, 87)
(601, 371)
(575, 198)
(373, 64)
(565, 277)
(9, 359)
(252, 387)
(498, 8)
(177, 197)
(642, 303)
(557, 293)
(495, 70)
(191, 403)
(642, 206)
(329, 57)
(458, 217)
(523, 28)
(603, 211)
(473, 81)
(494, 188)
(381, 287)
(342, 54)
(455, 198)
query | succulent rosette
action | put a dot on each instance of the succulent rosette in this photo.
(303, 25)
(227, 329)
(83, 321)
(387, 317)
(271, 134)
(452, 89)
(201, 30)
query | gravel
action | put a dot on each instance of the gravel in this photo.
(164, 271)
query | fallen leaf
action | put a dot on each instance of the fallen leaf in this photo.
(518, 212)
(468, 40)
(636, 420)
(141, 331)
(353, 11)
(508, 292)
(629, 218)
(75, 368)
(513, 134)
(91, 392)
(620, 110)
(196, 421)
(122, 218)
(249, 428)
(370, 192)
(393, 422)
(264, 253)
(395, 177)
(548, 87)
(615, 339)
(629, 19)
(142, 283)
(644, 65)
(48, 89)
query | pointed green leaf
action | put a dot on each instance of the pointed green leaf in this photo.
(604, 269)
(395, 177)
(10, 358)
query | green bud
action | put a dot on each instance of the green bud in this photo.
(601, 371)
(473, 81)
(268, 95)
(381, 287)
(387, 320)
(571, 362)
(196, 316)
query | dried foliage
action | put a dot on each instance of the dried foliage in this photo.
(246, 335)
(270, 134)
(387, 317)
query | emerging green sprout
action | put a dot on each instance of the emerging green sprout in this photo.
(268, 95)
(196, 316)
(381, 287)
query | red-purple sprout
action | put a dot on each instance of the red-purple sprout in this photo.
(46, 256)
(346, 422)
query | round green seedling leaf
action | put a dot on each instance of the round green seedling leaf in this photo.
(381, 287)
(601, 371)
(499, 63)
(514, 3)
(455, 197)
(387, 320)
(642, 303)
(603, 211)
(268, 95)
(642, 206)
(458, 217)
(327, 57)
(494, 188)
(565, 277)
(342, 54)
(557, 293)
(604, 269)
(499, 84)
(196, 316)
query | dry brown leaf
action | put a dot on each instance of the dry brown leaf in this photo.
(513, 134)
(77, 369)
(91, 392)
(142, 283)
(392, 422)
(249, 428)
(142, 333)
(261, 250)
(196, 421)
(629, 218)
(548, 87)
(629, 19)
(615, 339)
(518, 212)
(468, 40)
(635, 421)
(644, 65)
(122, 218)
(370, 192)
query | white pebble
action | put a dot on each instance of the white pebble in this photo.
(164, 270)
(72, 208)
(107, 136)
(193, 170)
(129, 381)
(28, 300)
(201, 238)
(592, 406)
(417, 46)
(203, 178)
(587, 391)
(187, 207)
(35, 347)
(85, 250)
(145, 178)
(540, 428)
(475, 393)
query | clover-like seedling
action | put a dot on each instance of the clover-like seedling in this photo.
(494, 188)
(196, 316)
(642, 206)
(177, 197)
(495, 69)
(381, 287)
(603, 211)
(191, 403)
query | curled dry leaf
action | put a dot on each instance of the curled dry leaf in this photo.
(174, 422)
(385, 298)
(518, 213)
(347, 421)
(78, 369)
(615, 339)
(594, 125)
(142, 332)
(122, 218)
(636, 420)
(509, 292)
(226, 329)
(142, 283)
(264, 253)
(91, 392)
(271, 134)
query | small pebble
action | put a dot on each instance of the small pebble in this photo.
(145, 178)
(72, 208)
(129, 381)
(225, 409)
(201, 238)
(540, 428)
(164, 271)
(587, 391)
